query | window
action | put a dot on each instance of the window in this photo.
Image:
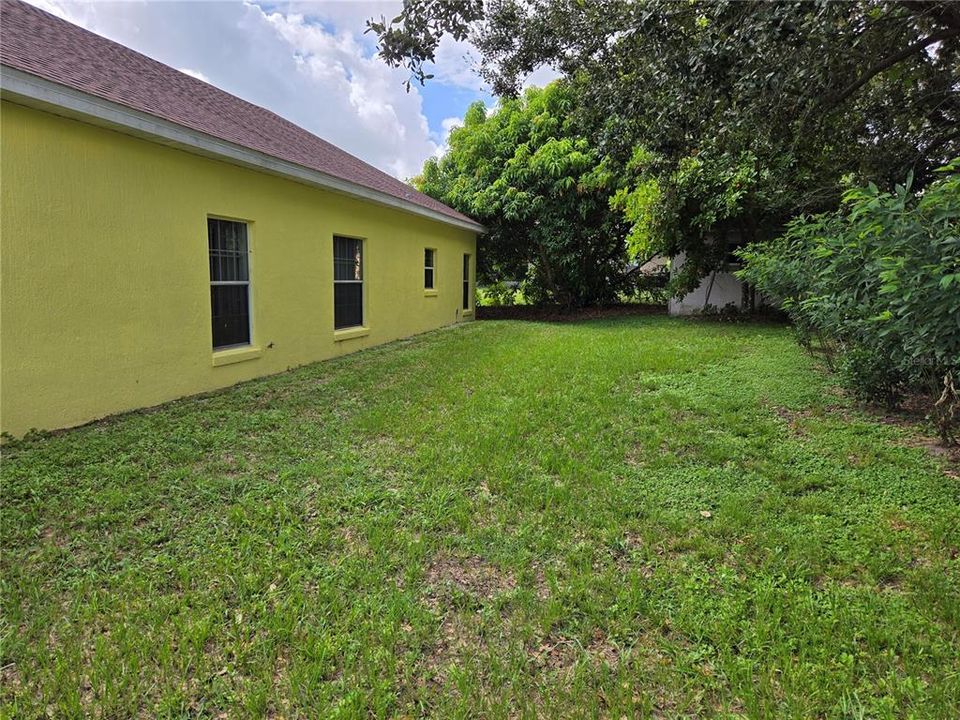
(429, 267)
(466, 282)
(229, 282)
(347, 282)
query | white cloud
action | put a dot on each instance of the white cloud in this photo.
(447, 125)
(195, 74)
(543, 75)
(307, 62)
(456, 63)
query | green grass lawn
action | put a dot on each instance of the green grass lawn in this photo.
(618, 518)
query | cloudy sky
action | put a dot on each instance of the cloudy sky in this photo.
(307, 61)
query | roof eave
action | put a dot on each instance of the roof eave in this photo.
(31, 90)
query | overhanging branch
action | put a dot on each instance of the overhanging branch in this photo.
(889, 62)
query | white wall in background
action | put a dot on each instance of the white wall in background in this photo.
(726, 289)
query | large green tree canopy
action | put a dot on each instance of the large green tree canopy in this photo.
(526, 172)
(725, 119)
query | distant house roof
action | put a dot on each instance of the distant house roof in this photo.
(50, 62)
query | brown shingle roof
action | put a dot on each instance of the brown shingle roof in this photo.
(42, 44)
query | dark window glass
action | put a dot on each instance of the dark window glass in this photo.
(347, 259)
(428, 268)
(466, 282)
(347, 282)
(231, 315)
(347, 305)
(229, 282)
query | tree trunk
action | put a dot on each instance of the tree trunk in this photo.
(561, 298)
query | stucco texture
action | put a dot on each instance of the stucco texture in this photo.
(104, 273)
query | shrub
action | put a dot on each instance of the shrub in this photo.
(870, 375)
(499, 294)
(877, 285)
(650, 288)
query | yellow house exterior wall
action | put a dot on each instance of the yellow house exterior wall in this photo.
(104, 273)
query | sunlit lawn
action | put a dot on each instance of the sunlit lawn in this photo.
(629, 517)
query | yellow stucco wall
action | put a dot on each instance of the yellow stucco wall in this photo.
(104, 274)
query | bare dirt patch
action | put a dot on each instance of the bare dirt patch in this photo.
(10, 682)
(472, 575)
(559, 654)
(951, 454)
(541, 586)
(280, 707)
(909, 416)
(461, 632)
(625, 555)
(637, 456)
(458, 637)
(354, 541)
(796, 418)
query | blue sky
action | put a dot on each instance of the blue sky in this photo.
(307, 61)
(441, 101)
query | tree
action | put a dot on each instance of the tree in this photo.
(727, 118)
(527, 173)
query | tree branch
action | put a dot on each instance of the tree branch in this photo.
(889, 62)
(927, 152)
(943, 140)
(639, 265)
(944, 12)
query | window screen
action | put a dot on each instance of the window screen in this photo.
(429, 267)
(347, 282)
(229, 282)
(466, 282)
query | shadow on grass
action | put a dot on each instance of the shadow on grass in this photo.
(558, 313)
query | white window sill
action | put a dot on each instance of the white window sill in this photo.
(429, 292)
(468, 313)
(350, 333)
(235, 355)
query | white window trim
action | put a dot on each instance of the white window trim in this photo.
(214, 283)
(433, 258)
(364, 322)
(467, 284)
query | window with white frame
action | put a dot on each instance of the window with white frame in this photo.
(466, 282)
(229, 282)
(429, 268)
(347, 282)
